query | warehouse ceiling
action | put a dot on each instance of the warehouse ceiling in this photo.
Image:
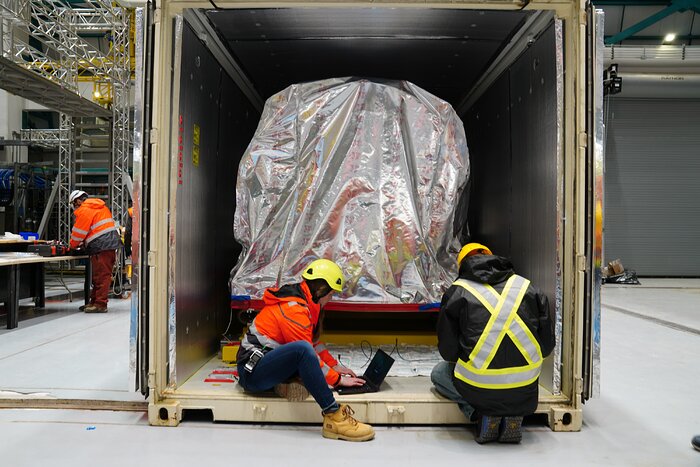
(648, 22)
(442, 51)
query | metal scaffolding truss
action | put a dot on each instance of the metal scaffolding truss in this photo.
(28, 21)
(52, 138)
(41, 35)
(121, 132)
(23, 82)
(45, 37)
(40, 41)
(99, 18)
(64, 178)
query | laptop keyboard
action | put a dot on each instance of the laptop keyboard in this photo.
(356, 389)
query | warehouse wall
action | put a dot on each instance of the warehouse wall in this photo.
(652, 186)
(11, 121)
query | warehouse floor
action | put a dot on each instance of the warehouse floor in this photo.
(646, 414)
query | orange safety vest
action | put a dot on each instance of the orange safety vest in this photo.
(289, 319)
(92, 220)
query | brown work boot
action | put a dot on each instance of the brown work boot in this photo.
(293, 392)
(341, 425)
(95, 309)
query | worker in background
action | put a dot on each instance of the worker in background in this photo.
(279, 346)
(95, 234)
(494, 329)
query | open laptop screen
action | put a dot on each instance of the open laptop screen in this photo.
(378, 368)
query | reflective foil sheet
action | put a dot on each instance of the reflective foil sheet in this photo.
(367, 174)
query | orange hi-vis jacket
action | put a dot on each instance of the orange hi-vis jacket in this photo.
(92, 220)
(289, 315)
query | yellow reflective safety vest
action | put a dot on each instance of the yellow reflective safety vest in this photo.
(504, 321)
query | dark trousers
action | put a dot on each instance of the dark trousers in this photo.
(288, 360)
(102, 264)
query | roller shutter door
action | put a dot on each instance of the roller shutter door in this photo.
(652, 186)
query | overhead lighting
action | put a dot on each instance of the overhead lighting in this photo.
(97, 94)
(670, 37)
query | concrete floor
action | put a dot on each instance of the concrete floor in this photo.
(646, 415)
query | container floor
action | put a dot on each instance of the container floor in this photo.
(646, 414)
(214, 380)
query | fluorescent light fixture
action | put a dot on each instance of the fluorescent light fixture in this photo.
(670, 37)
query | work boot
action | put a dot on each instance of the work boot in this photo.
(341, 425)
(293, 392)
(487, 429)
(511, 430)
(95, 309)
(82, 307)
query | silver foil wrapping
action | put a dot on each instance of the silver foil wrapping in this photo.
(367, 174)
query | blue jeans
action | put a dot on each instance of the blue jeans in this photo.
(277, 366)
(441, 376)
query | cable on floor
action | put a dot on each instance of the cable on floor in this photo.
(398, 352)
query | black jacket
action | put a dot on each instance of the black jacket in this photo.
(463, 318)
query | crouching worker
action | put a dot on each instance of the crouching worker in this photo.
(279, 346)
(494, 329)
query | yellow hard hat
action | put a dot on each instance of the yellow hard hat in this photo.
(327, 270)
(468, 248)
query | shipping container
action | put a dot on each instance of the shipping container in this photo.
(526, 80)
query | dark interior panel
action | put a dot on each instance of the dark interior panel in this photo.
(206, 250)
(442, 51)
(488, 134)
(511, 132)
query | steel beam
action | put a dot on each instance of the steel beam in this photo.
(674, 7)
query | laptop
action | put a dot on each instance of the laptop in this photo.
(374, 374)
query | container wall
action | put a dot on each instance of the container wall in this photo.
(513, 136)
(214, 125)
(514, 133)
(488, 132)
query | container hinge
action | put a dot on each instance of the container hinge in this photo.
(581, 262)
(153, 136)
(583, 139)
(156, 16)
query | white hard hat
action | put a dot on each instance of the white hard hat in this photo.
(75, 194)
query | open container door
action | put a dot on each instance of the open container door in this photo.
(138, 333)
(198, 52)
(594, 205)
